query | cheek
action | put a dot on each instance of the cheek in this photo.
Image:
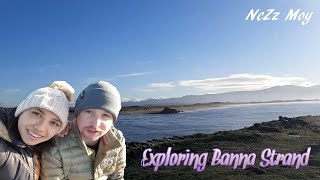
(20, 126)
(108, 125)
(22, 123)
(52, 130)
(81, 124)
(51, 134)
(26, 121)
(83, 120)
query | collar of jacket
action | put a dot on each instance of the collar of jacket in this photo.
(11, 122)
(4, 134)
(107, 142)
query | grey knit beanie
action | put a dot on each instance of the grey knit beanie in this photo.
(100, 95)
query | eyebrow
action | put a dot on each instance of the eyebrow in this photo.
(40, 111)
(57, 120)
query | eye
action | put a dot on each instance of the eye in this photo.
(107, 115)
(36, 113)
(89, 111)
(55, 123)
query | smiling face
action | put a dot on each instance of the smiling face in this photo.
(37, 125)
(93, 124)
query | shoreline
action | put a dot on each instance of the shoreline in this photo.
(286, 135)
(150, 109)
(129, 110)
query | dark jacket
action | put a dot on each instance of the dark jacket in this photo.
(16, 158)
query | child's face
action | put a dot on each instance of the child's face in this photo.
(37, 125)
(93, 124)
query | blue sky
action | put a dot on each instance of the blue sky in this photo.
(155, 49)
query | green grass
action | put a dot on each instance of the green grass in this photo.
(248, 140)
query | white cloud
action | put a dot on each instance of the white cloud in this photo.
(145, 90)
(133, 74)
(141, 99)
(239, 82)
(130, 100)
(91, 80)
(160, 97)
(162, 85)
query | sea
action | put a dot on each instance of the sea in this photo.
(144, 127)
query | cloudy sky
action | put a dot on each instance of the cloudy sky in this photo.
(156, 49)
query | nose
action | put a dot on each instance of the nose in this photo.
(96, 122)
(40, 126)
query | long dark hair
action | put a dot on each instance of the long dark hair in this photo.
(37, 152)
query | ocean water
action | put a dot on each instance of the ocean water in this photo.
(144, 127)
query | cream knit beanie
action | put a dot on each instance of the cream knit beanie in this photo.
(54, 98)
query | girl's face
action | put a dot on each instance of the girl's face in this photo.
(37, 125)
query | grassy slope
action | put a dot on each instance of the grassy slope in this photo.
(274, 134)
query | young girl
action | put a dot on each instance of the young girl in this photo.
(27, 128)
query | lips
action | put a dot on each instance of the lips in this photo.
(92, 132)
(34, 135)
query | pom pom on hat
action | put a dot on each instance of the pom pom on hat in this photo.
(54, 98)
(64, 87)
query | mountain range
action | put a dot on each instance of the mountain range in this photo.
(277, 93)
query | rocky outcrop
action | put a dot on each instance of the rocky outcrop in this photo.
(167, 110)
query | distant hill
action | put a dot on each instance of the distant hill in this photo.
(277, 93)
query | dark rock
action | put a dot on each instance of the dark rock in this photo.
(268, 129)
(233, 136)
(272, 126)
(293, 133)
(167, 110)
(293, 123)
(254, 127)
